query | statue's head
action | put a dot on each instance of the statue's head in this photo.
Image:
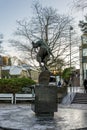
(37, 44)
(34, 45)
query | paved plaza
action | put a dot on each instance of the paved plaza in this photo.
(21, 117)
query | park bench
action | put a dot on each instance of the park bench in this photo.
(6, 96)
(24, 97)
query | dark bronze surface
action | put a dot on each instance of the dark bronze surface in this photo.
(44, 77)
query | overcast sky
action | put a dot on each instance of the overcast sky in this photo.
(12, 10)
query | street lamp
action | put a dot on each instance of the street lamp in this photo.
(70, 29)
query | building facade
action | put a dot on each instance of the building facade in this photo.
(83, 52)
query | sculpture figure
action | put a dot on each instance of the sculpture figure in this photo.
(43, 55)
(45, 103)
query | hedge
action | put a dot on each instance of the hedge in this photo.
(14, 85)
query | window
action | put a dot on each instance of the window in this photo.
(85, 52)
(84, 39)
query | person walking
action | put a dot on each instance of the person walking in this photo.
(85, 85)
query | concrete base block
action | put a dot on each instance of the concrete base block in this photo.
(45, 100)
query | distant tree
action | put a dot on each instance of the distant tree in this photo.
(67, 72)
(48, 25)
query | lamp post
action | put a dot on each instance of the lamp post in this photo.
(70, 80)
(70, 29)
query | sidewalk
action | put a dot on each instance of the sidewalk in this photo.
(21, 117)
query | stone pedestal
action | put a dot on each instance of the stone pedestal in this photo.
(45, 100)
(45, 103)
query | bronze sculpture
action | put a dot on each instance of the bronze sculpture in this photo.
(45, 103)
(43, 55)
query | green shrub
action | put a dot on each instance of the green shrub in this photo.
(14, 85)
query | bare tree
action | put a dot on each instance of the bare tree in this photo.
(46, 24)
(80, 4)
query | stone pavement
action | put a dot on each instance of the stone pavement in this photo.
(21, 117)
